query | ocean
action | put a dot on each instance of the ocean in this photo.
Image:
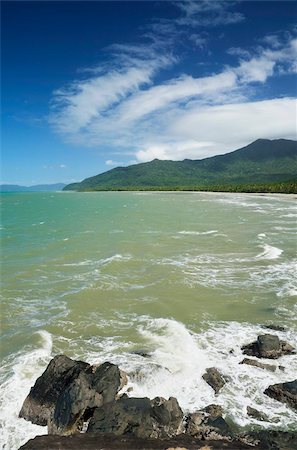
(186, 277)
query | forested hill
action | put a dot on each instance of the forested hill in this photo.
(261, 162)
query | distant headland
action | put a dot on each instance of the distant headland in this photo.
(262, 166)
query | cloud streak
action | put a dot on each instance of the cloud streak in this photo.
(126, 106)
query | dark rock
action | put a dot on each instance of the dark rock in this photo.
(40, 403)
(276, 439)
(208, 424)
(284, 392)
(253, 362)
(214, 378)
(142, 353)
(92, 388)
(141, 417)
(274, 327)
(255, 414)
(268, 346)
(112, 442)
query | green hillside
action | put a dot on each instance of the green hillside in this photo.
(263, 162)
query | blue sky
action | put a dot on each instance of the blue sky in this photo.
(87, 86)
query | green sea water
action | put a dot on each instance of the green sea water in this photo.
(185, 276)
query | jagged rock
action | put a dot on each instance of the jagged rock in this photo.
(213, 410)
(92, 388)
(268, 346)
(208, 424)
(253, 362)
(255, 414)
(214, 378)
(141, 417)
(284, 392)
(40, 403)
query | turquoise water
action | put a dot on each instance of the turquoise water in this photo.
(187, 276)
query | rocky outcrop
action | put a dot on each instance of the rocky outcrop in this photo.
(255, 414)
(214, 378)
(112, 442)
(92, 388)
(253, 362)
(140, 417)
(71, 395)
(208, 424)
(272, 326)
(268, 346)
(41, 401)
(284, 392)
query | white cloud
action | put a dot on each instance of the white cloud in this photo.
(208, 13)
(110, 162)
(199, 40)
(237, 123)
(83, 101)
(120, 108)
(256, 69)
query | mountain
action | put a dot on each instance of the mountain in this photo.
(37, 188)
(263, 161)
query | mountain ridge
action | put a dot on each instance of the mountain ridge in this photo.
(36, 188)
(262, 161)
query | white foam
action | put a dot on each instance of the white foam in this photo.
(269, 252)
(23, 369)
(179, 357)
(198, 232)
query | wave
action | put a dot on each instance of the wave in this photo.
(178, 357)
(18, 374)
(269, 252)
(198, 233)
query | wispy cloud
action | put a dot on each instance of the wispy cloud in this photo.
(124, 105)
(209, 13)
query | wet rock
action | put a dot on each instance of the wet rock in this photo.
(143, 353)
(274, 327)
(276, 439)
(284, 392)
(213, 410)
(40, 403)
(253, 362)
(268, 346)
(112, 442)
(91, 389)
(255, 414)
(208, 424)
(141, 417)
(214, 378)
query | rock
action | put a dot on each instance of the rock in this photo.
(111, 442)
(284, 392)
(91, 389)
(275, 327)
(276, 439)
(253, 362)
(40, 403)
(268, 346)
(141, 417)
(214, 410)
(142, 353)
(208, 424)
(214, 378)
(255, 414)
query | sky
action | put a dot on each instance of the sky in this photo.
(91, 85)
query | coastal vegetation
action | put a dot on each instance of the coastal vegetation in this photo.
(263, 166)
